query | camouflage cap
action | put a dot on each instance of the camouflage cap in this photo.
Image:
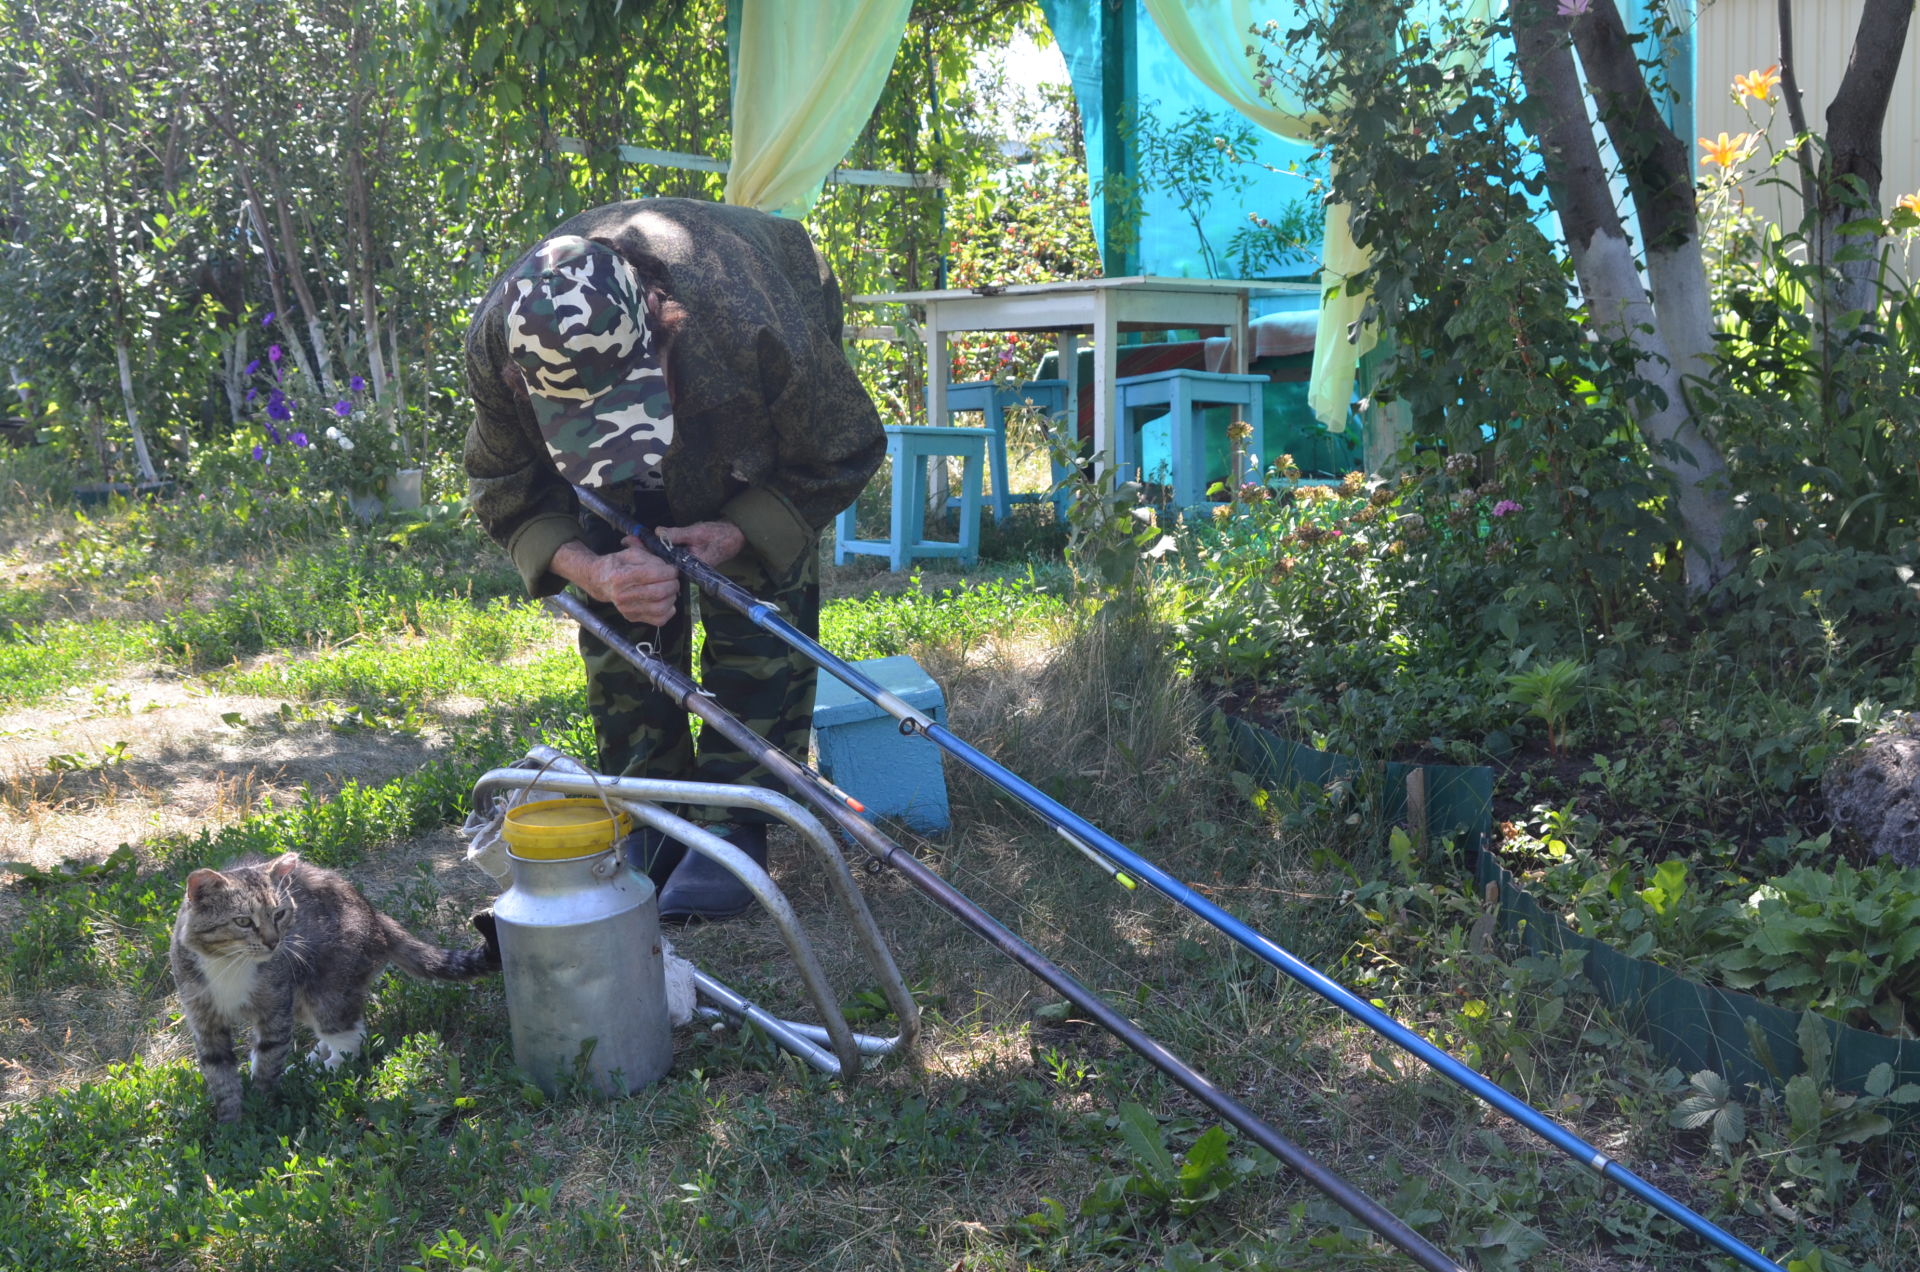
(577, 327)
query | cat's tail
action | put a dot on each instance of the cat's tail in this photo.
(429, 962)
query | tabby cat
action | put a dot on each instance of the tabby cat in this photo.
(268, 943)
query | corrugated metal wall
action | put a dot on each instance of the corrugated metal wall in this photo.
(1737, 36)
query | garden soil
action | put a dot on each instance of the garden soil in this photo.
(191, 758)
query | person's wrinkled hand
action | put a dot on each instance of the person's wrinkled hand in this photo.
(715, 542)
(639, 584)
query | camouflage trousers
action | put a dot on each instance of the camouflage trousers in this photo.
(642, 733)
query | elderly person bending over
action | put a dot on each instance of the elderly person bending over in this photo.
(683, 360)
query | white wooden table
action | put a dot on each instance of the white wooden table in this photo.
(1096, 307)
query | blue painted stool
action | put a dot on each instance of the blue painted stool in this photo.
(910, 446)
(863, 752)
(993, 401)
(1186, 394)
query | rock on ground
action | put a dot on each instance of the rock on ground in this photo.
(1873, 792)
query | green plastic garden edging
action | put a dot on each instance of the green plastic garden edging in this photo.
(1689, 1025)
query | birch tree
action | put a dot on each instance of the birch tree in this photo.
(1576, 114)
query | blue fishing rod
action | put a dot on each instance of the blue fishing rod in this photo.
(1129, 869)
(846, 814)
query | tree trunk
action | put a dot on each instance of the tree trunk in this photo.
(1796, 107)
(1621, 307)
(290, 243)
(235, 379)
(397, 390)
(1658, 166)
(1849, 185)
(360, 220)
(140, 454)
(281, 313)
(112, 241)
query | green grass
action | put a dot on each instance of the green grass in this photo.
(428, 1159)
(39, 661)
(323, 598)
(1021, 1139)
(433, 648)
(462, 650)
(956, 617)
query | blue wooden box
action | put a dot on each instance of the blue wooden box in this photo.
(863, 752)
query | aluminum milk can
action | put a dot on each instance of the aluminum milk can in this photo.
(586, 984)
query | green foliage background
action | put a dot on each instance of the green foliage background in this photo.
(413, 146)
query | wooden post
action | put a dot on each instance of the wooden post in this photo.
(1417, 810)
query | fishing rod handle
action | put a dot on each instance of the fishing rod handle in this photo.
(690, 566)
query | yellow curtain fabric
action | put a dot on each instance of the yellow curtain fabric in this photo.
(1336, 356)
(805, 81)
(1212, 37)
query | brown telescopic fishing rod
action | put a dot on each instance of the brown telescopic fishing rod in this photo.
(835, 807)
(1129, 869)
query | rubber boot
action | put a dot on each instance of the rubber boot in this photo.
(653, 853)
(704, 889)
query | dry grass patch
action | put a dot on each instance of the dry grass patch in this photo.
(77, 780)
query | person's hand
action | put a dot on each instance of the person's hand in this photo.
(633, 580)
(715, 542)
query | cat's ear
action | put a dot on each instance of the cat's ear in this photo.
(283, 866)
(201, 882)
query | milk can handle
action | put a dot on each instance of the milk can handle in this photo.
(608, 868)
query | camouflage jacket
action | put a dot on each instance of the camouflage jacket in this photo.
(772, 429)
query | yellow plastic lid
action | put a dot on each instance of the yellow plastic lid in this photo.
(557, 829)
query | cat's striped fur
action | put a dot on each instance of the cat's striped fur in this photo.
(267, 943)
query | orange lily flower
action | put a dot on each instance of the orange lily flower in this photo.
(1727, 151)
(1758, 85)
(1911, 202)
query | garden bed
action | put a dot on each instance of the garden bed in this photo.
(1693, 1026)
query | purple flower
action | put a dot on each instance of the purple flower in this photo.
(343, 408)
(259, 453)
(253, 367)
(1506, 506)
(268, 320)
(358, 385)
(279, 411)
(273, 433)
(252, 394)
(273, 353)
(299, 439)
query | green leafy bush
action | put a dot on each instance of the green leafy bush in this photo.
(1844, 943)
(1792, 1158)
(1836, 939)
(1312, 564)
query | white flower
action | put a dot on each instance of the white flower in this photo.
(346, 443)
(333, 434)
